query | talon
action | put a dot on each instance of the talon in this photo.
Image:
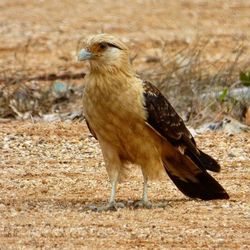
(111, 207)
(142, 204)
(119, 205)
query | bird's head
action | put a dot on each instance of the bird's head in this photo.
(105, 53)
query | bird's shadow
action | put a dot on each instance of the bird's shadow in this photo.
(82, 205)
(131, 204)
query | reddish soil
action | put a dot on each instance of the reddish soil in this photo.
(52, 174)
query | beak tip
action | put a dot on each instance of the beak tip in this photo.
(84, 55)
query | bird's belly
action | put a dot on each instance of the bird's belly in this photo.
(123, 127)
(113, 121)
(131, 138)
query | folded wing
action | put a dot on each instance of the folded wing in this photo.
(185, 164)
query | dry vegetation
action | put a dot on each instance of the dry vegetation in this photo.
(187, 48)
(53, 175)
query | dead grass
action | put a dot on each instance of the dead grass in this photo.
(183, 76)
(187, 49)
(187, 75)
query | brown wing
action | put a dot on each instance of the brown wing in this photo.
(187, 166)
(164, 119)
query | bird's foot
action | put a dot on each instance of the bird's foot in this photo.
(112, 206)
(142, 204)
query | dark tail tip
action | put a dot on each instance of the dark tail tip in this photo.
(205, 187)
(208, 162)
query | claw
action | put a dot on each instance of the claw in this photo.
(113, 206)
(142, 204)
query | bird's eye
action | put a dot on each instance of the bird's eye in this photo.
(103, 45)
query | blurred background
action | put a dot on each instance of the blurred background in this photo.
(196, 52)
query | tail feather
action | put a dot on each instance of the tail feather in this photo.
(193, 181)
(205, 187)
(204, 161)
(210, 163)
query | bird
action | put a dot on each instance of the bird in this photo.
(135, 124)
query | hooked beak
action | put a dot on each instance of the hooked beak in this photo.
(84, 55)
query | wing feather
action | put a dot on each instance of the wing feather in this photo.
(184, 163)
(162, 115)
(164, 119)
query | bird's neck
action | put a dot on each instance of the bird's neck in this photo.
(108, 69)
(105, 82)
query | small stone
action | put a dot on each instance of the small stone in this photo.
(2, 207)
(231, 155)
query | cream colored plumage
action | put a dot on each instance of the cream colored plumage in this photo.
(117, 106)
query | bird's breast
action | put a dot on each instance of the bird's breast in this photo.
(114, 111)
(117, 116)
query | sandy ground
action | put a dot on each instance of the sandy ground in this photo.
(53, 175)
(43, 36)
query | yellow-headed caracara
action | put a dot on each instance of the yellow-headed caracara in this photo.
(134, 123)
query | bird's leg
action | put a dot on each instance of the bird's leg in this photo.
(113, 192)
(113, 166)
(144, 202)
(145, 191)
(112, 205)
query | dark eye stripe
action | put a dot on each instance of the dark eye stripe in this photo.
(104, 45)
(113, 45)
